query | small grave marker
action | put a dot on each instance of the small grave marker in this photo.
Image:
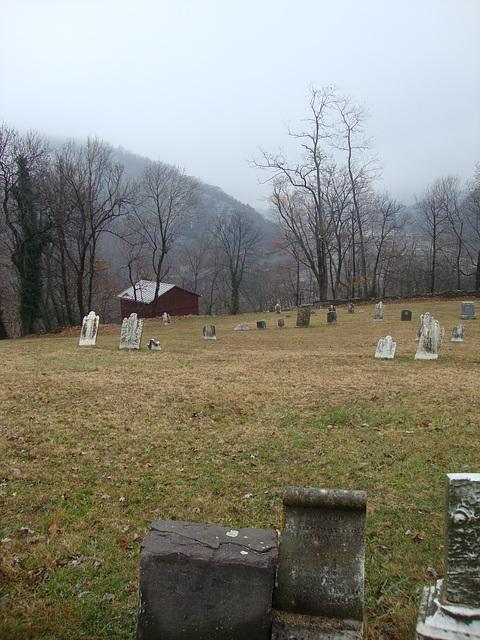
(153, 345)
(278, 308)
(351, 308)
(209, 332)
(166, 319)
(242, 327)
(386, 348)
(468, 311)
(281, 323)
(88, 334)
(261, 324)
(406, 315)
(458, 333)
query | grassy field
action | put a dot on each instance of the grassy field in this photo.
(96, 443)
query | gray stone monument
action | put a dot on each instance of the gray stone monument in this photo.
(261, 324)
(351, 308)
(278, 308)
(321, 565)
(281, 323)
(458, 333)
(303, 317)
(406, 315)
(153, 345)
(431, 338)
(88, 334)
(386, 348)
(209, 332)
(451, 609)
(166, 319)
(205, 582)
(242, 327)
(419, 328)
(332, 316)
(468, 311)
(379, 311)
(131, 333)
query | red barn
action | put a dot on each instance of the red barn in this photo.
(171, 299)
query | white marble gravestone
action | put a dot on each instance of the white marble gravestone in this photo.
(458, 333)
(153, 345)
(88, 335)
(450, 610)
(386, 348)
(166, 318)
(244, 326)
(431, 337)
(468, 311)
(209, 332)
(131, 333)
(419, 328)
(379, 311)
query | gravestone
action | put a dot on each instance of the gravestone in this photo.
(209, 332)
(379, 311)
(205, 582)
(153, 345)
(244, 326)
(386, 348)
(321, 565)
(88, 334)
(281, 323)
(406, 315)
(351, 308)
(458, 333)
(261, 324)
(332, 316)
(131, 333)
(468, 311)
(278, 308)
(451, 608)
(166, 319)
(303, 317)
(419, 328)
(430, 339)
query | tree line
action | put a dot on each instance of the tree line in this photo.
(75, 228)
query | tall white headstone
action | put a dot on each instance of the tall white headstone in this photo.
(88, 335)
(131, 333)
(430, 339)
(379, 311)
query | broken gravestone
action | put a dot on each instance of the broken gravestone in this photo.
(153, 345)
(406, 315)
(242, 327)
(351, 308)
(332, 316)
(431, 337)
(166, 319)
(205, 582)
(458, 333)
(303, 317)
(209, 332)
(468, 311)
(261, 324)
(321, 565)
(451, 609)
(379, 311)
(419, 328)
(88, 334)
(131, 333)
(386, 348)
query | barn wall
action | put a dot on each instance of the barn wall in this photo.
(175, 302)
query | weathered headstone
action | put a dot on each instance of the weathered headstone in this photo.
(406, 315)
(430, 339)
(458, 333)
(321, 565)
(332, 317)
(131, 333)
(261, 324)
(419, 328)
(278, 308)
(386, 348)
(153, 345)
(379, 311)
(209, 332)
(166, 319)
(351, 308)
(303, 317)
(88, 334)
(244, 326)
(451, 608)
(281, 323)
(205, 582)
(468, 311)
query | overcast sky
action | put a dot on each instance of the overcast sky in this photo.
(204, 83)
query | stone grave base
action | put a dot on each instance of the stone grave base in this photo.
(437, 621)
(293, 626)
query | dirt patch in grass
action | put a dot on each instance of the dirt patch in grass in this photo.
(97, 443)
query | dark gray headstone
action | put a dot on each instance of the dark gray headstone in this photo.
(468, 311)
(331, 317)
(406, 315)
(206, 582)
(321, 554)
(261, 324)
(281, 323)
(351, 308)
(303, 316)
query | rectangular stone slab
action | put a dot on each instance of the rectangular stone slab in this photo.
(206, 582)
(321, 557)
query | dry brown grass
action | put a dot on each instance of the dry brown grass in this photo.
(187, 433)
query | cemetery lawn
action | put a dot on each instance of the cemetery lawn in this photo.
(96, 443)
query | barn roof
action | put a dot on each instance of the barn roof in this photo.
(144, 291)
